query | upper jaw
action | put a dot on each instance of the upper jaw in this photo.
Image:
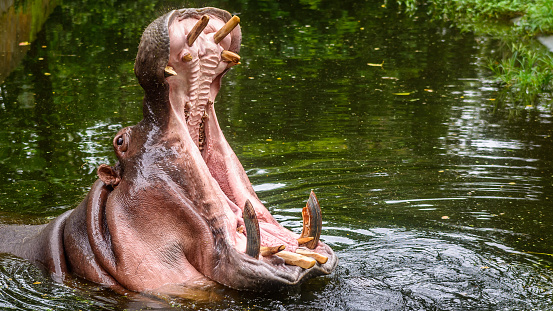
(192, 75)
(197, 61)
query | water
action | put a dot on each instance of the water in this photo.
(431, 200)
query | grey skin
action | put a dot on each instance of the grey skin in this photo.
(169, 213)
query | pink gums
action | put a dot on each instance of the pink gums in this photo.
(192, 92)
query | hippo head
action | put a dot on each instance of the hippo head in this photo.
(179, 208)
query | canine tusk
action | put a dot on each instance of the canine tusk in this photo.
(297, 259)
(186, 57)
(252, 230)
(322, 259)
(169, 71)
(197, 30)
(226, 29)
(312, 221)
(268, 251)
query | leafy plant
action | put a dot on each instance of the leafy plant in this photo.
(524, 69)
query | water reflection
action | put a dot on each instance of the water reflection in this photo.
(20, 21)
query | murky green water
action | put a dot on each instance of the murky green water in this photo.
(431, 201)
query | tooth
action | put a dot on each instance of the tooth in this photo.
(226, 29)
(312, 221)
(229, 56)
(297, 259)
(305, 240)
(252, 230)
(268, 251)
(322, 259)
(186, 58)
(187, 108)
(197, 30)
(169, 71)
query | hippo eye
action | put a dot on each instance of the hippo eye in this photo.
(121, 142)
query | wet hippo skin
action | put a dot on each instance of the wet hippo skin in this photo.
(177, 209)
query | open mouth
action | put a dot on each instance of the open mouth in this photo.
(204, 45)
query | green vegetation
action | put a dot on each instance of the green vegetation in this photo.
(526, 76)
(521, 65)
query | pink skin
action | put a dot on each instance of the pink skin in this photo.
(221, 160)
(168, 217)
(175, 215)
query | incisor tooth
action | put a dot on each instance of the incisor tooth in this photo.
(268, 251)
(229, 56)
(322, 259)
(197, 30)
(305, 240)
(226, 29)
(297, 259)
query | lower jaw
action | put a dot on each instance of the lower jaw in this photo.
(274, 239)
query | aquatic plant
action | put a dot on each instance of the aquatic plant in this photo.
(525, 76)
(521, 67)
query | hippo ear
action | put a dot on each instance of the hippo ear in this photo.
(109, 175)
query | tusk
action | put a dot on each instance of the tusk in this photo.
(297, 259)
(268, 251)
(231, 58)
(322, 259)
(226, 29)
(186, 57)
(169, 71)
(305, 240)
(197, 30)
(312, 221)
(252, 230)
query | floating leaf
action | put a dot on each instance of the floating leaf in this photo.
(376, 65)
(401, 94)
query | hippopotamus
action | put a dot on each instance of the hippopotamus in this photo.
(177, 210)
